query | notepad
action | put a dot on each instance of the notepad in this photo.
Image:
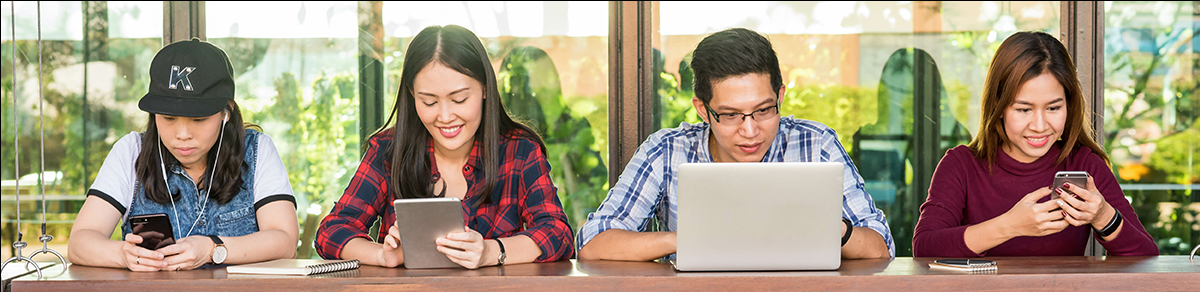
(17, 269)
(964, 265)
(293, 267)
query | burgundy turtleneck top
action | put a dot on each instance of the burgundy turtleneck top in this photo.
(964, 192)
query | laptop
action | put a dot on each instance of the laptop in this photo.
(759, 216)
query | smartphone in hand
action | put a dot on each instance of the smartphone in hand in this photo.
(155, 230)
(1078, 178)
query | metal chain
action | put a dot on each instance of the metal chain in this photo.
(16, 124)
(41, 119)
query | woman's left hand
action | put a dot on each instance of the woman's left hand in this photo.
(464, 248)
(188, 253)
(1088, 208)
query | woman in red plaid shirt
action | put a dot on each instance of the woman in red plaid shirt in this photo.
(448, 116)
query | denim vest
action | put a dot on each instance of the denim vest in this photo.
(236, 218)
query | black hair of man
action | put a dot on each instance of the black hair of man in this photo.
(731, 53)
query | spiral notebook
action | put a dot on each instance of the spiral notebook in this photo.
(294, 267)
(964, 265)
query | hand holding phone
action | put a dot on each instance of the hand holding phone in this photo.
(1078, 178)
(1085, 205)
(155, 230)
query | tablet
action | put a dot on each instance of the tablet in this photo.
(421, 222)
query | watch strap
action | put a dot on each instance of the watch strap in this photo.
(849, 230)
(503, 256)
(216, 240)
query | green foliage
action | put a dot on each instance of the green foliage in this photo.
(77, 156)
(532, 94)
(69, 148)
(1151, 99)
(1176, 154)
(673, 97)
(320, 140)
(677, 108)
(322, 131)
(840, 107)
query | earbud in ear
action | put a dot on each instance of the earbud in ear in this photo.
(226, 117)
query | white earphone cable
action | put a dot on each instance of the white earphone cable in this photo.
(164, 173)
(212, 174)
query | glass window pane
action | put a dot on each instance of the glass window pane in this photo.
(1151, 60)
(552, 69)
(849, 65)
(297, 73)
(93, 78)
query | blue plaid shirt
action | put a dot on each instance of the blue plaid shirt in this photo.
(647, 188)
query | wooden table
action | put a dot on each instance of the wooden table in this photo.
(1163, 273)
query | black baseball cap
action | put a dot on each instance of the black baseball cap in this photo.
(190, 79)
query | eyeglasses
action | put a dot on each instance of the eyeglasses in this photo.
(734, 119)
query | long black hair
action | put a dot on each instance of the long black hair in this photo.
(459, 49)
(227, 177)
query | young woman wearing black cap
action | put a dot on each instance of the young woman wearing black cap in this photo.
(223, 187)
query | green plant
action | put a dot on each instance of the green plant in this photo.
(1151, 99)
(322, 129)
(79, 129)
(532, 94)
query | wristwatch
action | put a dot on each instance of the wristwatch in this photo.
(219, 252)
(503, 256)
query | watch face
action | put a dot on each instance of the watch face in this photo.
(219, 254)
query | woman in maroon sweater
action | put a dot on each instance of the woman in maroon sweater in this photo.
(992, 197)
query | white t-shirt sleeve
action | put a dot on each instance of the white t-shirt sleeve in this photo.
(116, 181)
(270, 177)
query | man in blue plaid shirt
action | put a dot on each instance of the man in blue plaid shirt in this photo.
(738, 87)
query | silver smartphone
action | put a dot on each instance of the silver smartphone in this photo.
(1078, 178)
(421, 223)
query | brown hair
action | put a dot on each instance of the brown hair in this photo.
(1021, 57)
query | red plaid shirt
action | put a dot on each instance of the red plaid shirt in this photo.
(524, 200)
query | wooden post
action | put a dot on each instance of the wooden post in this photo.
(182, 20)
(630, 83)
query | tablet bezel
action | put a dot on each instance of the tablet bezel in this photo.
(421, 222)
